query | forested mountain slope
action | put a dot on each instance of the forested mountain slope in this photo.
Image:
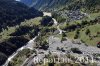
(13, 13)
(68, 4)
(44, 4)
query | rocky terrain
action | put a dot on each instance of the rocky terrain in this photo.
(59, 31)
(61, 48)
(65, 49)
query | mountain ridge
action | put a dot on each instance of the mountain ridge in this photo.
(69, 4)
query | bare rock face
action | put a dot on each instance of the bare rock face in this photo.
(77, 41)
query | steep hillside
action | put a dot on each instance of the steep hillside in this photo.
(13, 13)
(71, 18)
(28, 2)
(68, 4)
(45, 4)
(9, 46)
(15, 37)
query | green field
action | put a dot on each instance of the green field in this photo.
(5, 34)
(93, 40)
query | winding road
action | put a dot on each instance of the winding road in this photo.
(54, 42)
(39, 56)
(29, 45)
(54, 20)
